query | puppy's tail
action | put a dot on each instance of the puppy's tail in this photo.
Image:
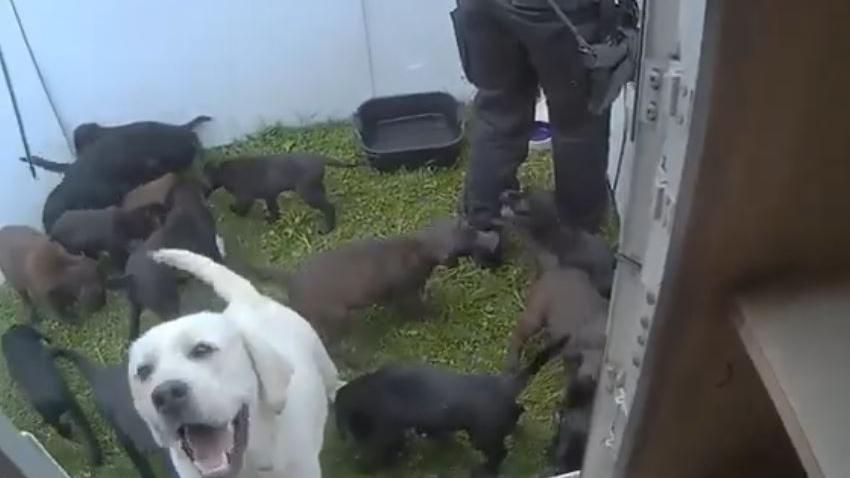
(48, 165)
(226, 283)
(521, 379)
(197, 121)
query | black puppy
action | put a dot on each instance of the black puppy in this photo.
(114, 402)
(118, 161)
(555, 244)
(87, 133)
(378, 408)
(31, 367)
(266, 177)
(149, 285)
(92, 231)
(573, 425)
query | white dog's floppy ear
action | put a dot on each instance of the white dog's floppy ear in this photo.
(273, 371)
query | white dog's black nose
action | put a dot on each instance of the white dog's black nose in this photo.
(170, 396)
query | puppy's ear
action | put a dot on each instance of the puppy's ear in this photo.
(273, 371)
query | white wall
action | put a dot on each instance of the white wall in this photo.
(246, 63)
(413, 47)
(21, 197)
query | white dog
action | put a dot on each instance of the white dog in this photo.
(242, 393)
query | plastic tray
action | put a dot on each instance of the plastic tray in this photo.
(410, 131)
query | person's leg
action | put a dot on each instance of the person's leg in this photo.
(579, 138)
(581, 164)
(497, 64)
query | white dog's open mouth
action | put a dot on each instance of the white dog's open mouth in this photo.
(216, 451)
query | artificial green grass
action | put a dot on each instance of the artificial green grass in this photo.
(476, 309)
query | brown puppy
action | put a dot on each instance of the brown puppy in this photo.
(92, 231)
(329, 286)
(563, 303)
(264, 178)
(41, 271)
(154, 192)
(554, 243)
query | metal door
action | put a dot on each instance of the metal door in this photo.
(672, 32)
(23, 456)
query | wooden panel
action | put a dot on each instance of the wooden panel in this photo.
(800, 344)
(766, 196)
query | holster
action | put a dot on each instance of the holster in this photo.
(611, 65)
(612, 61)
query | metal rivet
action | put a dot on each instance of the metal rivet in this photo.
(650, 298)
(652, 111)
(654, 78)
(641, 340)
(644, 322)
(636, 361)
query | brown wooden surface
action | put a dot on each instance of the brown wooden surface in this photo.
(770, 197)
(799, 340)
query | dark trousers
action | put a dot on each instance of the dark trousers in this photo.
(506, 53)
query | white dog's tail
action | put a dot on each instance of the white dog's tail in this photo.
(226, 283)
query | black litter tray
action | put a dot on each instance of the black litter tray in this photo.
(410, 130)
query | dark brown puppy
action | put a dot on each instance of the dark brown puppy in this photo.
(555, 244)
(92, 231)
(329, 286)
(563, 303)
(43, 272)
(153, 192)
(189, 223)
(153, 286)
(264, 178)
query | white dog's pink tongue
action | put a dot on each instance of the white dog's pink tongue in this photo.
(210, 447)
